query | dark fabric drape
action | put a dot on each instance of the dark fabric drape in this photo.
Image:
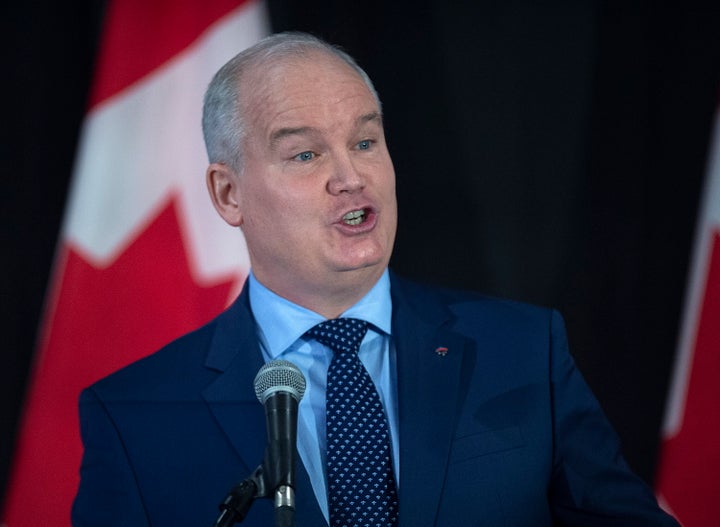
(549, 152)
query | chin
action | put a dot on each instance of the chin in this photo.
(363, 256)
(363, 265)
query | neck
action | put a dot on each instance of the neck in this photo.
(330, 299)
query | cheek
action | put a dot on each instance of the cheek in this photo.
(387, 171)
(278, 211)
(387, 186)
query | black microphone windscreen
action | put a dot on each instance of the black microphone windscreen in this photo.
(279, 376)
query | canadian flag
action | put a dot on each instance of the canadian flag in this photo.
(143, 256)
(688, 482)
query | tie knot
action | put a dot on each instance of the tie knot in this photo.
(340, 334)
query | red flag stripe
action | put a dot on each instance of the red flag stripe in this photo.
(103, 319)
(687, 478)
(109, 301)
(687, 483)
(141, 35)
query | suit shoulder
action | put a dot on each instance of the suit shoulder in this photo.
(171, 364)
(464, 302)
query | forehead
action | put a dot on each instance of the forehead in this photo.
(315, 89)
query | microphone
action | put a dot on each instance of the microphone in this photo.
(279, 386)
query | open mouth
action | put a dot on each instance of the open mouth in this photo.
(355, 217)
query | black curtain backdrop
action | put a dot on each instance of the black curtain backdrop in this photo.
(551, 152)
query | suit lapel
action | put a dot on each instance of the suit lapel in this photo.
(235, 354)
(429, 358)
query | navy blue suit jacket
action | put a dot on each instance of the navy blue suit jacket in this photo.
(499, 430)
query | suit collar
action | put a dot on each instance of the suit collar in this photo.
(234, 335)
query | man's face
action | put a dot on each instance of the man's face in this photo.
(317, 190)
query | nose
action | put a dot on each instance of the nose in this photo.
(345, 176)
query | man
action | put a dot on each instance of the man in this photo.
(486, 418)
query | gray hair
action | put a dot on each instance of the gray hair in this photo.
(223, 124)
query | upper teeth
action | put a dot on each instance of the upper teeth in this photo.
(354, 218)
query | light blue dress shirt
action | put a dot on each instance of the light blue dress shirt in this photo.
(281, 325)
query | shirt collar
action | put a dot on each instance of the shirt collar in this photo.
(282, 322)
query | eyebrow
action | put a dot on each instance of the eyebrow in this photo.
(369, 117)
(281, 133)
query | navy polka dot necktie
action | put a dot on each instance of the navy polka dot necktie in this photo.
(361, 483)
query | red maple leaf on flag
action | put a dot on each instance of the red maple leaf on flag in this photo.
(100, 319)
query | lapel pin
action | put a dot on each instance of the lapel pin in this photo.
(441, 351)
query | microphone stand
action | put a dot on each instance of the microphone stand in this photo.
(237, 503)
(284, 506)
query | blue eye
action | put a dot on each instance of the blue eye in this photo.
(364, 145)
(305, 156)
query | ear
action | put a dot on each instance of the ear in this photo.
(223, 186)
